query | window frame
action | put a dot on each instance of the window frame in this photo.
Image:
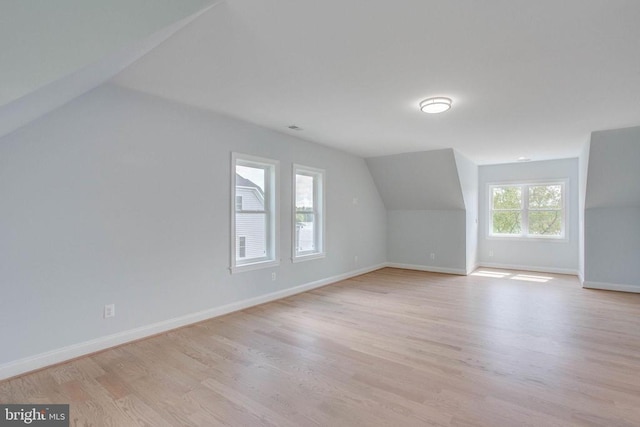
(524, 210)
(271, 209)
(319, 209)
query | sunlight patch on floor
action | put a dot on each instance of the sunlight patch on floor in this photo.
(494, 274)
(512, 276)
(531, 278)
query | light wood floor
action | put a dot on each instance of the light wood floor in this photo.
(393, 347)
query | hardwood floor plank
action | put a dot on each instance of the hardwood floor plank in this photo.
(392, 347)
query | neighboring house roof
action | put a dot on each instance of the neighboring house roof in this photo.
(252, 187)
(244, 182)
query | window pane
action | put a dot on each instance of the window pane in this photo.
(507, 222)
(305, 232)
(308, 221)
(545, 197)
(545, 223)
(305, 217)
(251, 213)
(250, 176)
(253, 227)
(304, 192)
(506, 197)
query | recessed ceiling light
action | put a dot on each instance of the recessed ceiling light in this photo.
(524, 159)
(435, 105)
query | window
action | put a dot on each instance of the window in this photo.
(254, 215)
(308, 213)
(531, 210)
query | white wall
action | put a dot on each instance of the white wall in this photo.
(612, 214)
(612, 251)
(543, 255)
(583, 168)
(123, 198)
(468, 175)
(614, 174)
(425, 209)
(413, 235)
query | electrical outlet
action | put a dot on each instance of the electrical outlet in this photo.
(490, 252)
(355, 259)
(273, 276)
(109, 310)
(433, 256)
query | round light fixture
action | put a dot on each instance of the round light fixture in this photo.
(435, 105)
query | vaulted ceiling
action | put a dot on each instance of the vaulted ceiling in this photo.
(54, 51)
(527, 78)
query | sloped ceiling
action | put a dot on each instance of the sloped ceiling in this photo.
(53, 51)
(614, 173)
(418, 181)
(528, 78)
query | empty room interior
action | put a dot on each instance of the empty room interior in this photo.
(338, 213)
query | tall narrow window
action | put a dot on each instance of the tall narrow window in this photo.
(254, 212)
(531, 210)
(308, 214)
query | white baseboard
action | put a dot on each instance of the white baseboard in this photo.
(472, 269)
(529, 268)
(611, 287)
(63, 354)
(433, 269)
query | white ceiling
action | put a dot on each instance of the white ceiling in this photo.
(52, 53)
(42, 41)
(528, 78)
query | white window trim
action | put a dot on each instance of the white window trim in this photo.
(273, 214)
(320, 201)
(564, 182)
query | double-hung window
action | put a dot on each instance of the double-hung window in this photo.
(308, 213)
(528, 210)
(254, 216)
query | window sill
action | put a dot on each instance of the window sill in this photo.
(530, 239)
(309, 257)
(253, 266)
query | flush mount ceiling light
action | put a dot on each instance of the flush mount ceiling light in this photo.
(435, 105)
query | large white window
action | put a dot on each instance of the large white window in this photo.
(528, 210)
(308, 213)
(254, 216)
